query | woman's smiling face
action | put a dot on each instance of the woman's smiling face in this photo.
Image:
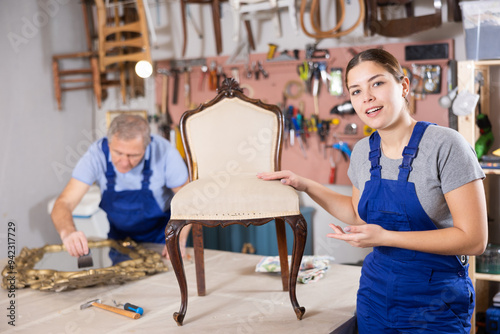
(377, 97)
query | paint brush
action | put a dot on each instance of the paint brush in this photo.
(85, 261)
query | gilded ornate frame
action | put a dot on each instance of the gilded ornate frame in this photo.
(143, 262)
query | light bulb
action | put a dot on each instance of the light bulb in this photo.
(144, 69)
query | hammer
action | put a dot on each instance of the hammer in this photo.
(97, 303)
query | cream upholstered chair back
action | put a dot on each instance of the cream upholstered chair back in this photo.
(232, 136)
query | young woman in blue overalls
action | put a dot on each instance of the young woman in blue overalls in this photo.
(418, 200)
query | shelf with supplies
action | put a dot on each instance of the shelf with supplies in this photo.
(468, 72)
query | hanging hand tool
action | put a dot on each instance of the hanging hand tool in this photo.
(314, 123)
(262, 70)
(235, 73)
(344, 148)
(271, 51)
(305, 74)
(175, 98)
(335, 87)
(331, 179)
(323, 71)
(298, 134)
(351, 129)
(291, 129)
(187, 87)
(316, 87)
(313, 52)
(204, 71)
(304, 124)
(212, 82)
(345, 108)
(303, 128)
(248, 71)
(221, 76)
(255, 70)
(284, 56)
(367, 130)
(97, 303)
(286, 129)
(323, 131)
(165, 117)
(296, 120)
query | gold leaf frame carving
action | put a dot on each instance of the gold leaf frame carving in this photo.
(143, 262)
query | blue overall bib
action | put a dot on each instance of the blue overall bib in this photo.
(132, 213)
(401, 290)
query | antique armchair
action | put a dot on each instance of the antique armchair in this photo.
(228, 140)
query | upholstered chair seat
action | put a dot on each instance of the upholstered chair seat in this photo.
(229, 197)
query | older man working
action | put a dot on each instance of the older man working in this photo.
(137, 172)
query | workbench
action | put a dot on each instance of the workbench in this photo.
(238, 300)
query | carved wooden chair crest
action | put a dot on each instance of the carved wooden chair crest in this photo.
(228, 140)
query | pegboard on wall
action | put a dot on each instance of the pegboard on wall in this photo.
(188, 89)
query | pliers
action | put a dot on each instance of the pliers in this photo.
(305, 74)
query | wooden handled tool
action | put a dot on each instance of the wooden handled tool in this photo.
(97, 303)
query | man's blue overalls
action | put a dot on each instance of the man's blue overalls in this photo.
(401, 290)
(133, 213)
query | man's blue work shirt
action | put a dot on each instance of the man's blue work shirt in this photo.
(169, 170)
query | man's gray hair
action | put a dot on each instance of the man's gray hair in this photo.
(127, 127)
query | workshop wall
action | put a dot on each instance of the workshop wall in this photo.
(40, 144)
(310, 160)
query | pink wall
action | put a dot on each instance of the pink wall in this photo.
(269, 90)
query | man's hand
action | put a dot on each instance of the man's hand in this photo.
(76, 243)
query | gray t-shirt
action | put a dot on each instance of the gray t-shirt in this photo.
(444, 162)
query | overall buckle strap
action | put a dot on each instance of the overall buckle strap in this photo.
(374, 155)
(409, 153)
(146, 170)
(411, 150)
(110, 172)
(146, 174)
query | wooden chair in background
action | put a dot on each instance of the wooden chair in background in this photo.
(120, 28)
(76, 78)
(123, 39)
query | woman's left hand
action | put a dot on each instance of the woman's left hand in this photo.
(366, 235)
